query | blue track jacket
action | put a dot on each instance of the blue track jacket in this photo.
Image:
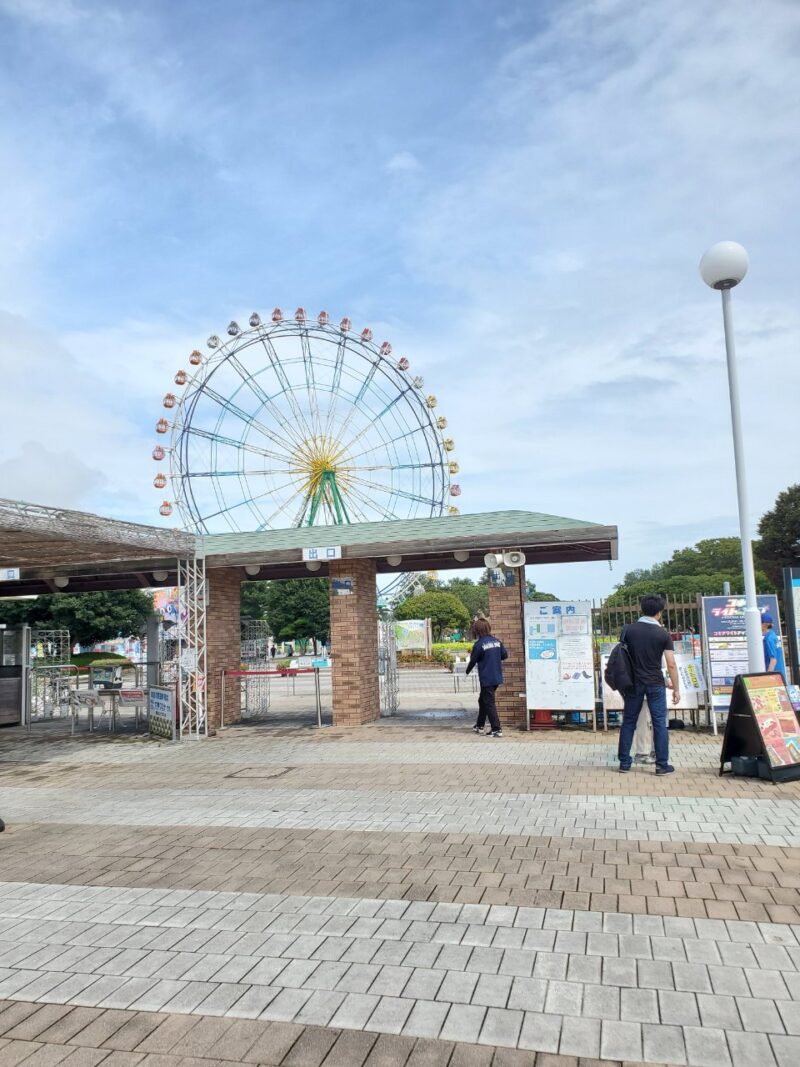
(487, 653)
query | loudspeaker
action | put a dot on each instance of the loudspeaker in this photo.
(493, 559)
(514, 558)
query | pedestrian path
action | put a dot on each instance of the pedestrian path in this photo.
(385, 924)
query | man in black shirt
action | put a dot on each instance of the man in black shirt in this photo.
(647, 642)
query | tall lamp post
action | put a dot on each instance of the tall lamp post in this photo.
(723, 266)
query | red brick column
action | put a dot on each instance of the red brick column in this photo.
(223, 643)
(506, 613)
(354, 645)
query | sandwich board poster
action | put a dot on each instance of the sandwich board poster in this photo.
(726, 642)
(762, 722)
(559, 659)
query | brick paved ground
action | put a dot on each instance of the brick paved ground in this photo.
(393, 894)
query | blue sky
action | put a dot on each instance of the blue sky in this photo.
(515, 194)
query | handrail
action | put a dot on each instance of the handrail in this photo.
(288, 672)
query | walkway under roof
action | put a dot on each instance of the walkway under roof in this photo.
(99, 553)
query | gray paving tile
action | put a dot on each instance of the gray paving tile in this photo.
(706, 1047)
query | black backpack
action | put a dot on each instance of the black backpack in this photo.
(619, 669)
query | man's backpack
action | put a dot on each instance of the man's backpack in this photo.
(619, 669)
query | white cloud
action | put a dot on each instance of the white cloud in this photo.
(402, 163)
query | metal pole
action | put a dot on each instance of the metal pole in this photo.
(222, 702)
(318, 695)
(752, 615)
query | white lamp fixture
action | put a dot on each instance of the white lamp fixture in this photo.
(722, 267)
(61, 583)
(462, 555)
(313, 565)
(252, 569)
(394, 561)
(160, 576)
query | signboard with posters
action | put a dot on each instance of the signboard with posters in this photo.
(559, 660)
(413, 635)
(161, 712)
(791, 601)
(692, 681)
(762, 722)
(726, 642)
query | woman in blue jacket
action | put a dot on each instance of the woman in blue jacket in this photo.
(487, 654)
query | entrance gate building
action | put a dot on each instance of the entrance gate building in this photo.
(87, 552)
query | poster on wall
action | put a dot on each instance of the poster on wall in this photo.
(726, 642)
(762, 722)
(559, 660)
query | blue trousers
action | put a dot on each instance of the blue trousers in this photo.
(657, 702)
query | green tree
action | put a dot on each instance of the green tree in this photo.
(445, 611)
(473, 596)
(702, 569)
(254, 597)
(779, 546)
(89, 617)
(532, 593)
(298, 609)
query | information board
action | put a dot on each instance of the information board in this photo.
(791, 601)
(412, 635)
(559, 661)
(762, 722)
(726, 642)
(161, 712)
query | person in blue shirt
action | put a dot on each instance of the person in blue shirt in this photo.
(487, 655)
(773, 651)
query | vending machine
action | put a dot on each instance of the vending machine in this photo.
(15, 659)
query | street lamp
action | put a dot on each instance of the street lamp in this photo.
(723, 266)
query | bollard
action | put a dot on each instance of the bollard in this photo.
(318, 695)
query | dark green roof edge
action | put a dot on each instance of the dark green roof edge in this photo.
(444, 526)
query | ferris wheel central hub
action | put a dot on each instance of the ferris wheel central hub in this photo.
(320, 461)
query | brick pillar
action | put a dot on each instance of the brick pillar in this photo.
(354, 645)
(223, 643)
(506, 613)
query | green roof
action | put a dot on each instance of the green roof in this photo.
(483, 525)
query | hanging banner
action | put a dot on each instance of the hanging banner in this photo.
(559, 660)
(726, 642)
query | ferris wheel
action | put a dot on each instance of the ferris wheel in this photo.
(299, 422)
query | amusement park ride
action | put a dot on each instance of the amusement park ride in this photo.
(298, 422)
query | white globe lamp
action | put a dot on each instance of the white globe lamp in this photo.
(724, 265)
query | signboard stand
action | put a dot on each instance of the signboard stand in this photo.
(725, 643)
(559, 659)
(762, 722)
(791, 602)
